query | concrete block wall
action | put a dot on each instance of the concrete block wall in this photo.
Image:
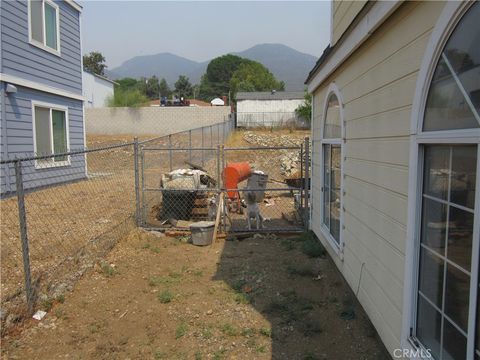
(156, 121)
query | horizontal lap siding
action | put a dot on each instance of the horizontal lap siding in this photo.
(24, 60)
(343, 14)
(19, 130)
(377, 84)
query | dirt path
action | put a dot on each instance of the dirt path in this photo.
(160, 298)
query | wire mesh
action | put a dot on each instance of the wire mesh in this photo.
(75, 214)
(79, 204)
(280, 203)
(276, 188)
(193, 149)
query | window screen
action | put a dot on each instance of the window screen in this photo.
(50, 26)
(36, 20)
(42, 131)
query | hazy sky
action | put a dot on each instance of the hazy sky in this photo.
(201, 30)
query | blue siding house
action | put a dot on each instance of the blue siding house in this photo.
(41, 91)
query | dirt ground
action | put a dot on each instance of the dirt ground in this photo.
(62, 219)
(161, 298)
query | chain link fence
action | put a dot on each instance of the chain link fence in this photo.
(64, 212)
(187, 187)
(196, 149)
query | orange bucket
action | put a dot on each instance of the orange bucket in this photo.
(233, 174)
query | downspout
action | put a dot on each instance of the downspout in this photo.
(83, 101)
(4, 147)
(4, 150)
(312, 141)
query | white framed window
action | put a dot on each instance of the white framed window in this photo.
(44, 25)
(332, 169)
(50, 134)
(443, 307)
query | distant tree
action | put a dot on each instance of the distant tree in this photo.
(195, 90)
(152, 87)
(206, 89)
(183, 88)
(164, 89)
(127, 83)
(216, 80)
(253, 76)
(305, 110)
(95, 63)
(127, 98)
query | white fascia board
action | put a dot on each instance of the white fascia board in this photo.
(377, 14)
(74, 4)
(40, 87)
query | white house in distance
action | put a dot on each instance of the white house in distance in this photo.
(96, 89)
(268, 108)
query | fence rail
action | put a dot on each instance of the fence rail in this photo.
(281, 205)
(65, 211)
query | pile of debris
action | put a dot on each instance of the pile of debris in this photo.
(185, 194)
(271, 139)
(290, 163)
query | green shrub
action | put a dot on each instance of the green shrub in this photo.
(229, 330)
(311, 246)
(266, 332)
(165, 297)
(127, 98)
(181, 330)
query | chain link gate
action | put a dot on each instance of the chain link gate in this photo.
(184, 184)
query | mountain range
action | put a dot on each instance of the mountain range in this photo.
(287, 64)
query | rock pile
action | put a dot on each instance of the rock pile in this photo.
(271, 139)
(290, 163)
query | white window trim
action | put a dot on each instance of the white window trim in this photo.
(337, 247)
(450, 17)
(39, 44)
(39, 164)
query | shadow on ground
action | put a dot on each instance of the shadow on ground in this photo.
(292, 283)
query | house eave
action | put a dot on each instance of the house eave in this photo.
(6, 78)
(75, 5)
(377, 13)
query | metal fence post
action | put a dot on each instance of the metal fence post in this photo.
(190, 146)
(203, 147)
(307, 182)
(211, 136)
(302, 173)
(219, 181)
(170, 160)
(224, 210)
(22, 217)
(137, 181)
(143, 213)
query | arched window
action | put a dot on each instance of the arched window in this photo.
(332, 170)
(446, 315)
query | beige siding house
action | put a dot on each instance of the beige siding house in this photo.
(395, 169)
